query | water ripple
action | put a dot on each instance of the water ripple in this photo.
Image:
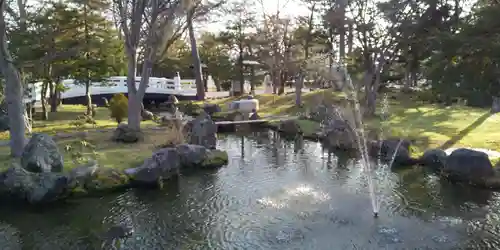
(273, 195)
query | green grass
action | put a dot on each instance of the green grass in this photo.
(430, 125)
(108, 153)
(272, 105)
(61, 121)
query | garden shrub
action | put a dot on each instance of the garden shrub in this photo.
(118, 107)
(427, 96)
(81, 120)
(174, 135)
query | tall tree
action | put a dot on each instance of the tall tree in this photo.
(276, 43)
(13, 88)
(53, 31)
(305, 32)
(376, 32)
(216, 55)
(191, 6)
(148, 26)
(237, 31)
(94, 59)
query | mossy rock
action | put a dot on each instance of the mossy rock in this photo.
(215, 158)
(78, 191)
(495, 162)
(106, 179)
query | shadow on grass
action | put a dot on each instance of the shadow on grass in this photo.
(454, 139)
(443, 124)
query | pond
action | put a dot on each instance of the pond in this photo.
(274, 194)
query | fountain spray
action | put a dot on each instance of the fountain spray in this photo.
(361, 139)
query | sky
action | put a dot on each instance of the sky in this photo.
(291, 8)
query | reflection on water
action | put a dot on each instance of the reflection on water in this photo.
(274, 194)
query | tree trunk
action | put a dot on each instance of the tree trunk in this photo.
(43, 99)
(51, 96)
(407, 79)
(13, 92)
(299, 83)
(414, 75)
(28, 117)
(372, 82)
(350, 38)
(217, 84)
(134, 110)
(371, 103)
(342, 41)
(252, 80)
(275, 80)
(54, 99)
(200, 88)
(88, 97)
(330, 48)
(283, 77)
(241, 75)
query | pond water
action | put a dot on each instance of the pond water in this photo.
(274, 194)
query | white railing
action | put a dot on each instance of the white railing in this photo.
(117, 84)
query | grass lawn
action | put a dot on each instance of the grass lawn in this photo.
(430, 125)
(108, 153)
(61, 121)
(271, 105)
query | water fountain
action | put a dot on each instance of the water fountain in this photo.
(360, 137)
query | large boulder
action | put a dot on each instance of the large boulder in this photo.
(191, 155)
(211, 108)
(235, 116)
(434, 159)
(34, 188)
(172, 103)
(397, 151)
(203, 131)
(167, 163)
(319, 113)
(91, 178)
(163, 164)
(338, 134)
(290, 127)
(41, 154)
(123, 133)
(147, 115)
(214, 159)
(80, 174)
(171, 120)
(196, 156)
(495, 106)
(466, 164)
